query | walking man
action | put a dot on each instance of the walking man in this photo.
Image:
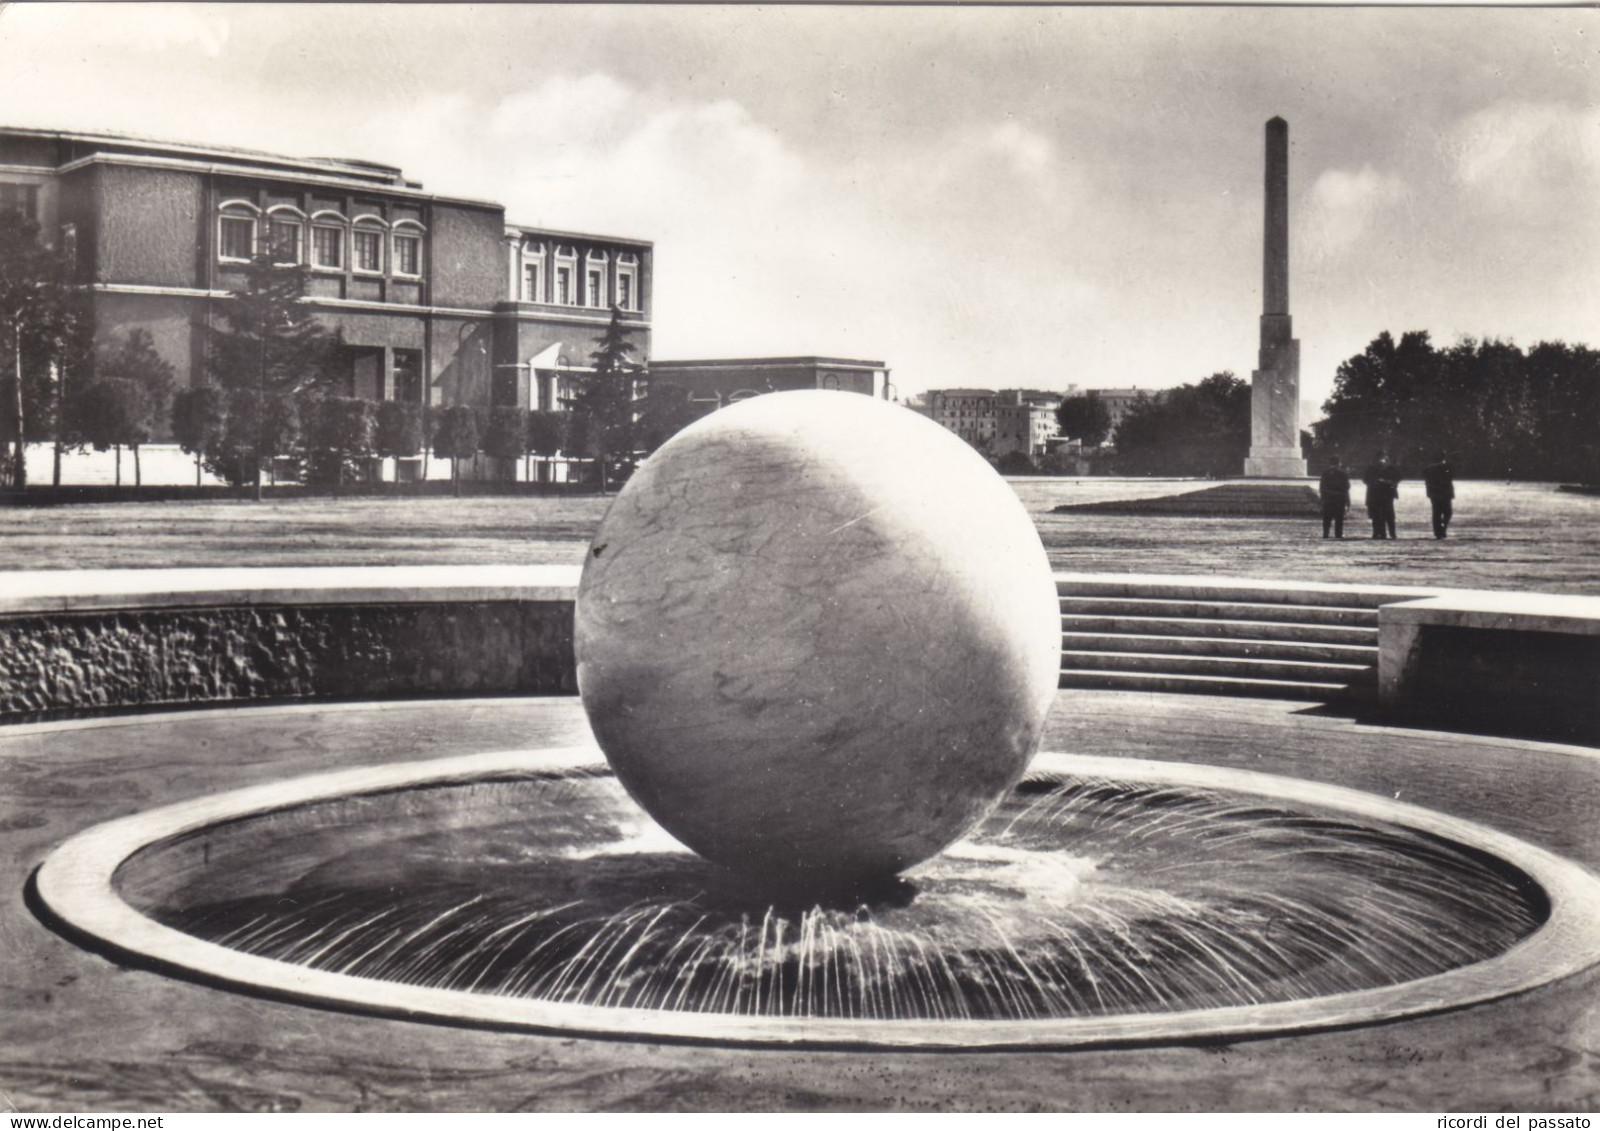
(1383, 487)
(1335, 491)
(1441, 493)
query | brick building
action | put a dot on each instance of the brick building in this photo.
(440, 301)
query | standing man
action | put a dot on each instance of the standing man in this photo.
(1335, 491)
(1383, 487)
(1441, 493)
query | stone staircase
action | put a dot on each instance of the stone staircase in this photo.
(1291, 640)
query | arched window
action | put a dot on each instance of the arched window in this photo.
(327, 240)
(366, 244)
(533, 270)
(407, 244)
(236, 231)
(286, 233)
(628, 281)
(594, 279)
(565, 276)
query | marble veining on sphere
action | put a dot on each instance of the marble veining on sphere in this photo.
(817, 637)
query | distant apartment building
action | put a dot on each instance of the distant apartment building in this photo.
(998, 422)
(1025, 421)
(969, 413)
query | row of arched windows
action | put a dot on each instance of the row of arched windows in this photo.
(326, 239)
(559, 275)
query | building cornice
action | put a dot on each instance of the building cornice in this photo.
(519, 231)
(311, 300)
(530, 313)
(370, 171)
(212, 168)
(745, 363)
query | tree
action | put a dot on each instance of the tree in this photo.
(667, 411)
(1199, 429)
(336, 433)
(273, 345)
(140, 381)
(1015, 463)
(456, 439)
(398, 430)
(1084, 418)
(506, 438)
(253, 425)
(546, 435)
(611, 397)
(198, 420)
(112, 413)
(42, 328)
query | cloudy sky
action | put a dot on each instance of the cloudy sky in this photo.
(984, 196)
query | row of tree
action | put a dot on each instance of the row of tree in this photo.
(1495, 410)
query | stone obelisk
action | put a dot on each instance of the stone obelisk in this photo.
(1275, 385)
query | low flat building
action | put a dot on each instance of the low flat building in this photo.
(715, 383)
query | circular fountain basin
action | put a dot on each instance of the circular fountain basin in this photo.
(1106, 901)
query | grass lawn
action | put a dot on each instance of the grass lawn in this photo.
(1505, 536)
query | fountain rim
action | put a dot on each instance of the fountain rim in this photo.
(75, 886)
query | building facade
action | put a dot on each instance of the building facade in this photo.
(438, 299)
(998, 423)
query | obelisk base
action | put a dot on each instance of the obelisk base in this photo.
(1274, 463)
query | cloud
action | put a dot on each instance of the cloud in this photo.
(1528, 153)
(1344, 208)
(1030, 152)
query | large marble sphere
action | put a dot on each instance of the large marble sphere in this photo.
(817, 637)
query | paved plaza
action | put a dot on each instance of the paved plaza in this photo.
(1506, 536)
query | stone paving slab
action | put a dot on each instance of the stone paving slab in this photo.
(78, 1032)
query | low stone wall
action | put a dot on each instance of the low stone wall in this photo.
(163, 638)
(88, 641)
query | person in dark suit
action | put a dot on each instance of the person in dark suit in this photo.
(1441, 484)
(1335, 491)
(1383, 487)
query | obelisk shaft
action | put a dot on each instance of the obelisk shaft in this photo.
(1275, 385)
(1275, 274)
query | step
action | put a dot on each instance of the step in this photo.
(1239, 647)
(1261, 592)
(1206, 685)
(1226, 666)
(1226, 629)
(1218, 610)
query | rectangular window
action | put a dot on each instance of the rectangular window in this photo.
(238, 238)
(285, 241)
(368, 250)
(327, 247)
(564, 286)
(20, 198)
(530, 283)
(594, 288)
(408, 255)
(625, 291)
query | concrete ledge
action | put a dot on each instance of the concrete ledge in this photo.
(1519, 663)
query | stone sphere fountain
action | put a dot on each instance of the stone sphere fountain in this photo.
(817, 638)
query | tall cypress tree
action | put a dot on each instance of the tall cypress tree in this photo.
(271, 349)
